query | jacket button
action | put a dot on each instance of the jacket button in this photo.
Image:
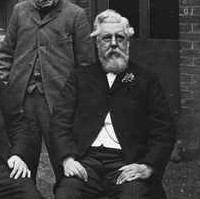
(42, 47)
(21, 111)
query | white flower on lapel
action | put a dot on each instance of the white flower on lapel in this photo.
(128, 77)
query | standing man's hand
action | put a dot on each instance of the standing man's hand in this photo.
(74, 168)
(19, 167)
(134, 171)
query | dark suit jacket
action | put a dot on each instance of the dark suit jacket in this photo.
(17, 133)
(139, 111)
(60, 40)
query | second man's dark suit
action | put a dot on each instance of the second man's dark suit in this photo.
(139, 111)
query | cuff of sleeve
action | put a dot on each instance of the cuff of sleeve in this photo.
(25, 156)
(148, 170)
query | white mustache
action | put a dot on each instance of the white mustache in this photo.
(117, 51)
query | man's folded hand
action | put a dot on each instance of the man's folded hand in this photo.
(74, 168)
(19, 167)
(133, 172)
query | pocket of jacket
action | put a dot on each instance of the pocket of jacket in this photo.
(64, 38)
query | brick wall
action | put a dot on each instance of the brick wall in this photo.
(190, 72)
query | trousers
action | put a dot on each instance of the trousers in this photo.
(36, 108)
(102, 166)
(22, 188)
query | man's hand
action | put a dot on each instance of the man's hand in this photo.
(132, 172)
(74, 168)
(18, 167)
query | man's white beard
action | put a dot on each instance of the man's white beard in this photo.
(114, 63)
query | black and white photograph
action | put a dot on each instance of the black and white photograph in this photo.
(99, 99)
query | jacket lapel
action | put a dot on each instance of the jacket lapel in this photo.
(35, 14)
(52, 15)
(98, 79)
(119, 82)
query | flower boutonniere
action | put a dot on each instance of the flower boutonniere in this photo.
(128, 77)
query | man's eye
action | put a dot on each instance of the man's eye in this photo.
(120, 38)
(106, 38)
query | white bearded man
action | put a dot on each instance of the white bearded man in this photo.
(112, 130)
(112, 37)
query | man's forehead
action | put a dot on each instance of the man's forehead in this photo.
(112, 28)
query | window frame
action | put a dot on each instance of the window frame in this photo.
(144, 17)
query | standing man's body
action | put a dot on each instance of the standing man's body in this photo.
(44, 40)
(112, 131)
(17, 145)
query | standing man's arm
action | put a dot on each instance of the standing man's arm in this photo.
(62, 141)
(83, 45)
(21, 134)
(7, 47)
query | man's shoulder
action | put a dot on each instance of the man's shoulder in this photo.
(71, 6)
(23, 4)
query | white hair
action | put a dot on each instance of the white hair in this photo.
(111, 16)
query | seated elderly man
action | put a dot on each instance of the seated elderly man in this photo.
(17, 144)
(111, 131)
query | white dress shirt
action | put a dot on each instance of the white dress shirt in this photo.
(107, 136)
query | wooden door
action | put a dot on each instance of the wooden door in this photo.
(155, 44)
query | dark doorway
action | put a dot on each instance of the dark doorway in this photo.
(130, 10)
(164, 21)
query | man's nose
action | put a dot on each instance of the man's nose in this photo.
(113, 42)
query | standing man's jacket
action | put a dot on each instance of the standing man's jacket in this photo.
(60, 39)
(139, 112)
(17, 136)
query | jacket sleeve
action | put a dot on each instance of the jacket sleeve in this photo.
(21, 130)
(7, 47)
(161, 124)
(62, 142)
(83, 45)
